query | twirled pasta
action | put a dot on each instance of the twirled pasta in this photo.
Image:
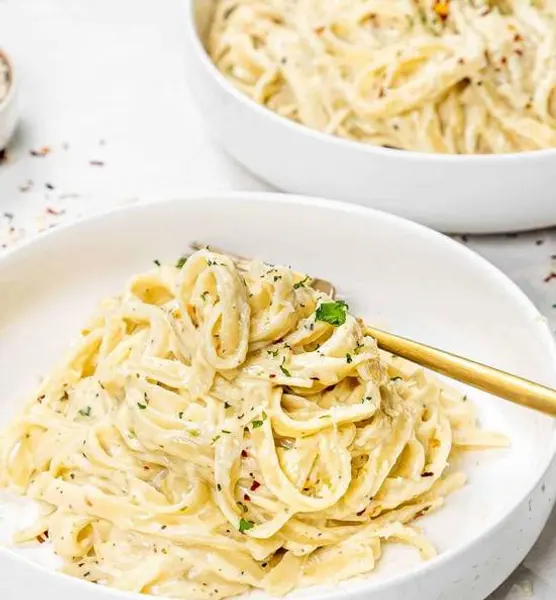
(222, 426)
(445, 76)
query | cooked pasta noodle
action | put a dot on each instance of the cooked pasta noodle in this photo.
(222, 426)
(445, 76)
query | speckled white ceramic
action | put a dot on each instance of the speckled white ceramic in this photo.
(405, 277)
(458, 194)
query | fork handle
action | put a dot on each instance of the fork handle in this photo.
(510, 387)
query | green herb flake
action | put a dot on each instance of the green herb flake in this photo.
(85, 412)
(180, 415)
(277, 277)
(218, 487)
(215, 439)
(226, 431)
(204, 295)
(243, 507)
(465, 398)
(334, 313)
(349, 360)
(156, 262)
(272, 352)
(256, 424)
(227, 405)
(397, 378)
(301, 283)
(358, 348)
(284, 370)
(366, 399)
(181, 261)
(245, 525)
(194, 432)
(141, 406)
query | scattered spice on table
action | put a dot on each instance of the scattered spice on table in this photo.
(43, 151)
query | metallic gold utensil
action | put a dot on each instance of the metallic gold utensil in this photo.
(494, 381)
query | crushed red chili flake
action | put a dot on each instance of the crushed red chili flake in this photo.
(254, 486)
(244, 453)
(519, 52)
(40, 152)
(550, 277)
(272, 375)
(54, 211)
(246, 497)
(517, 37)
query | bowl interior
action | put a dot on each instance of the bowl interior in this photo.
(394, 273)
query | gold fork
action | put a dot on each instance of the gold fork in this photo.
(500, 383)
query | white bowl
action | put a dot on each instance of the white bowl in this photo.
(396, 273)
(8, 105)
(458, 194)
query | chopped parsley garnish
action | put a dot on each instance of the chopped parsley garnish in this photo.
(358, 348)
(245, 525)
(141, 406)
(397, 378)
(366, 399)
(283, 369)
(257, 423)
(301, 283)
(277, 277)
(181, 261)
(180, 415)
(194, 432)
(215, 439)
(85, 412)
(348, 358)
(156, 262)
(273, 352)
(204, 295)
(226, 431)
(465, 398)
(334, 313)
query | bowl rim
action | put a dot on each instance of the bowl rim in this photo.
(538, 325)
(341, 143)
(12, 79)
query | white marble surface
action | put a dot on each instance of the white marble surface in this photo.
(104, 80)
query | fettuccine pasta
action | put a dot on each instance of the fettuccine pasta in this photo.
(222, 426)
(444, 76)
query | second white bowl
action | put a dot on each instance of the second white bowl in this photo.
(458, 194)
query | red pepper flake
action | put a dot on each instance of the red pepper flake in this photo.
(256, 485)
(319, 30)
(461, 61)
(146, 467)
(550, 277)
(503, 60)
(517, 38)
(519, 52)
(54, 211)
(246, 497)
(272, 375)
(40, 152)
(96, 163)
(244, 454)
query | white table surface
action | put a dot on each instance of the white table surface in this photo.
(104, 80)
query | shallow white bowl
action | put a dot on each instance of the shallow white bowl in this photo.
(458, 194)
(396, 273)
(8, 105)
